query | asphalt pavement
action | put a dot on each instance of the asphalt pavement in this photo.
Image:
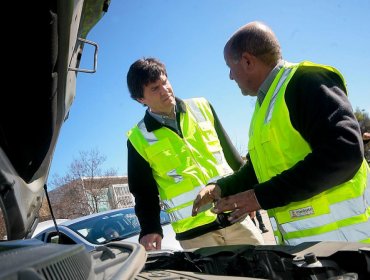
(268, 236)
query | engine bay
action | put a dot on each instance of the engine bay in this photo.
(322, 260)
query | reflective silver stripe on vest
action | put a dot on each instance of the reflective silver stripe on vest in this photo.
(180, 214)
(284, 76)
(220, 159)
(351, 233)
(187, 196)
(177, 177)
(273, 224)
(195, 110)
(341, 210)
(173, 215)
(338, 211)
(182, 198)
(149, 136)
(214, 179)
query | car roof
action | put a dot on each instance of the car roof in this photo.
(47, 224)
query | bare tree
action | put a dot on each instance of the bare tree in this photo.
(44, 212)
(241, 148)
(83, 187)
(3, 233)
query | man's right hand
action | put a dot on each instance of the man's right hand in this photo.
(208, 194)
(152, 241)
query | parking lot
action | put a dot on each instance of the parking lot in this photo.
(268, 236)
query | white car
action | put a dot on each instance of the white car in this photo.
(100, 228)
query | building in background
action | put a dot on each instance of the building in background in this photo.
(119, 195)
(89, 195)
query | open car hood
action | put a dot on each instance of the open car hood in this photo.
(33, 112)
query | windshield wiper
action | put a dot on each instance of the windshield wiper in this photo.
(119, 238)
(106, 252)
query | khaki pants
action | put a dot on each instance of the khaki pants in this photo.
(244, 232)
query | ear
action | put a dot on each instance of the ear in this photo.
(248, 61)
(140, 100)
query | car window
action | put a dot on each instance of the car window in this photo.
(100, 229)
(165, 219)
(40, 236)
(133, 220)
(61, 238)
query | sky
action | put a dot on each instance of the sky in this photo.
(189, 36)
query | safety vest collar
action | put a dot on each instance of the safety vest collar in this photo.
(152, 124)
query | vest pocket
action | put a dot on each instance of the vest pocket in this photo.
(270, 144)
(179, 193)
(162, 156)
(205, 125)
(209, 136)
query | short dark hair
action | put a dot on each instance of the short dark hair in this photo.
(141, 73)
(257, 39)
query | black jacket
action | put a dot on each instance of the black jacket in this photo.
(144, 188)
(321, 112)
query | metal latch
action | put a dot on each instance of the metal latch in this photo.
(95, 58)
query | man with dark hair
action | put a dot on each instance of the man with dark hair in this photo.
(174, 151)
(305, 153)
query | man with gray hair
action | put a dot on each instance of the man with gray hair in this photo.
(305, 162)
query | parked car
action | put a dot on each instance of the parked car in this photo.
(101, 228)
(42, 54)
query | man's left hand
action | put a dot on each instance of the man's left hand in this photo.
(240, 204)
(208, 194)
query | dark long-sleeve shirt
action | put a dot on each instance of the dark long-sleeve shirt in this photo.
(321, 112)
(143, 186)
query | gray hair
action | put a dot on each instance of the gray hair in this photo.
(257, 39)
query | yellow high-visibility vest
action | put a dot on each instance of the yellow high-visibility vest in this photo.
(182, 166)
(338, 214)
